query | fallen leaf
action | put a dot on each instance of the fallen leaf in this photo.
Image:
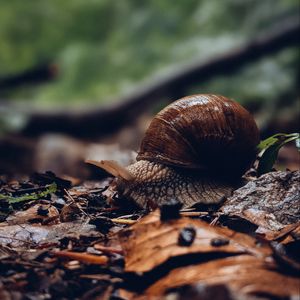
(35, 213)
(151, 242)
(244, 273)
(22, 235)
(287, 234)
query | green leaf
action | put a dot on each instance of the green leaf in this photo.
(51, 188)
(270, 148)
(276, 138)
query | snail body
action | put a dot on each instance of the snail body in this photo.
(192, 151)
(156, 183)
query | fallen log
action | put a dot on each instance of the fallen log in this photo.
(102, 120)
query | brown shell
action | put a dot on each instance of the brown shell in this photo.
(208, 132)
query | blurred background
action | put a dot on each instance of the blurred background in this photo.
(82, 78)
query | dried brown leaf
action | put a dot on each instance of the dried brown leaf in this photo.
(244, 274)
(287, 234)
(38, 213)
(151, 242)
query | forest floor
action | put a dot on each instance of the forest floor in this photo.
(61, 239)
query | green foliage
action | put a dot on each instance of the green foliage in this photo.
(269, 149)
(51, 188)
(106, 48)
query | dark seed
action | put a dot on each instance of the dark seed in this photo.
(186, 236)
(218, 242)
(170, 210)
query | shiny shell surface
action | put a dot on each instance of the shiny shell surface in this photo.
(209, 132)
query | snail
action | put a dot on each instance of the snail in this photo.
(193, 150)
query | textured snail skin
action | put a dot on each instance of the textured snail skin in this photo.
(156, 183)
(190, 150)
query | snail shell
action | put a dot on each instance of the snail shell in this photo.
(193, 150)
(208, 132)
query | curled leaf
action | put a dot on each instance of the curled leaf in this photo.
(269, 149)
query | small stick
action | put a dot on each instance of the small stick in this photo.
(187, 209)
(214, 221)
(124, 221)
(108, 249)
(73, 201)
(193, 213)
(83, 257)
(125, 216)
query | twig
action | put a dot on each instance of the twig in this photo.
(108, 249)
(69, 196)
(193, 213)
(214, 221)
(125, 216)
(83, 257)
(124, 221)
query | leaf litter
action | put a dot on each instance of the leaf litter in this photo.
(70, 243)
